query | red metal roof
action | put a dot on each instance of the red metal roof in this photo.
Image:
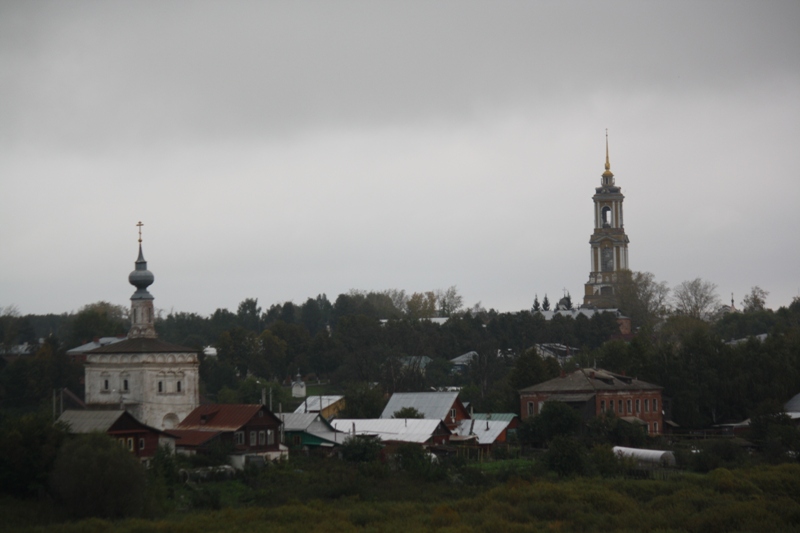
(221, 417)
(193, 437)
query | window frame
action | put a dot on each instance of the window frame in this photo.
(262, 438)
(253, 438)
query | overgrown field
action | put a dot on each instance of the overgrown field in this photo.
(766, 498)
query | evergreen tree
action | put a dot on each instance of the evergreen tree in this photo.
(545, 304)
(536, 307)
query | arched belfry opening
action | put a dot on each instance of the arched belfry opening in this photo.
(606, 217)
(608, 243)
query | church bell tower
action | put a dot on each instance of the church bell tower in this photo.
(608, 243)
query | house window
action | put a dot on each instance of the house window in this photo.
(125, 384)
(178, 385)
(141, 443)
(630, 410)
(262, 438)
(252, 438)
(655, 405)
(121, 442)
(602, 406)
(239, 436)
(452, 414)
(160, 386)
(646, 405)
(130, 444)
(270, 437)
(297, 440)
(530, 409)
(638, 406)
(655, 428)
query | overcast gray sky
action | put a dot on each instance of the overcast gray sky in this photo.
(278, 150)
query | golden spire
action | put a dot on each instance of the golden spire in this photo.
(140, 222)
(607, 173)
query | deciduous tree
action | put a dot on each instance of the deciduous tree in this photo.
(696, 298)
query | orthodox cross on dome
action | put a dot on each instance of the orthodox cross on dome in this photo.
(140, 222)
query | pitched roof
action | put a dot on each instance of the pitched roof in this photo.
(87, 421)
(793, 405)
(313, 424)
(142, 345)
(221, 417)
(312, 403)
(503, 417)
(102, 341)
(193, 437)
(487, 431)
(463, 359)
(103, 420)
(432, 405)
(391, 430)
(587, 380)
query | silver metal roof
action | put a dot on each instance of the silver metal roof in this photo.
(506, 417)
(487, 431)
(395, 429)
(432, 405)
(315, 404)
(102, 341)
(87, 421)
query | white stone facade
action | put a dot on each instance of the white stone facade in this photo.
(162, 388)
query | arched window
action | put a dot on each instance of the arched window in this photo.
(607, 222)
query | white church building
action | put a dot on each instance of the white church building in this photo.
(157, 382)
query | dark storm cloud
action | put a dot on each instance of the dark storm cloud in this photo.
(88, 73)
(282, 149)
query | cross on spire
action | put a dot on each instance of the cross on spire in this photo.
(140, 231)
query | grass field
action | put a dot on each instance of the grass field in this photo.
(757, 499)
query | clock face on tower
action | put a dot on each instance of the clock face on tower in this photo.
(607, 259)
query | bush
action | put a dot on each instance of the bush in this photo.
(361, 449)
(95, 476)
(566, 456)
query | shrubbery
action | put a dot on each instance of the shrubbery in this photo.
(95, 476)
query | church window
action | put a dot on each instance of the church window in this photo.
(178, 385)
(160, 386)
(252, 438)
(125, 384)
(105, 385)
(262, 438)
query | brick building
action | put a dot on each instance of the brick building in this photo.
(593, 392)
